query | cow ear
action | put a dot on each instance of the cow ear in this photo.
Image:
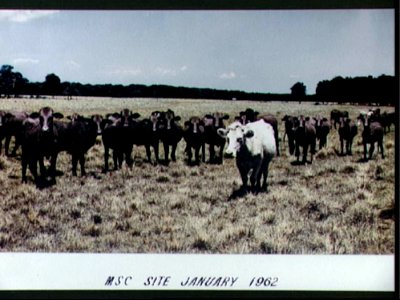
(237, 118)
(208, 116)
(249, 134)
(222, 132)
(135, 115)
(177, 118)
(256, 113)
(58, 115)
(34, 115)
(226, 117)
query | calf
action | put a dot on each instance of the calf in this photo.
(254, 146)
(193, 135)
(305, 137)
(322, 130)
(39, 141)
(372, 133)
(336, 115)
(212, 124)
(171, 134)
(347, 132)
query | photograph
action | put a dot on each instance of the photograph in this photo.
(210, 150)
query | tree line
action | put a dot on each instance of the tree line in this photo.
(380, 90)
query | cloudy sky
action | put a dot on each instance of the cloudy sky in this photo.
(252, 50)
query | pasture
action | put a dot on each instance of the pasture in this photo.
(336, 205)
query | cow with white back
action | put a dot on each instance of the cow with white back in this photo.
(254, 146)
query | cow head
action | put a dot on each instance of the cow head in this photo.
(247, 116)
(170, 118)
(236, 135)
(195, 125)
(99, 121)
(156, 118)
(46, 116)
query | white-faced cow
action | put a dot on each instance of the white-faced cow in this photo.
(193, 135)
(254, 146)
(372, 133)
(171, 134)
(212, 122)
(40, 141)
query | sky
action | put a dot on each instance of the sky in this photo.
(264, 51)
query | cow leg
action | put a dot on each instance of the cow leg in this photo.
(221, 153)
(173, 152)
(305, 150)
(264, 169)
(189, 153)
(74, 164)
(211, 151)
(106, 155)
(115, 159)
(7, 145)
(166, 152)
(243, 174)
(203, 152)
(33, 168)
(156, 152)
(297, 152)
(371, 149)
(341, 146)
(148, 153)
(24, 164)
(197, 155)
(380, 146)
(82, 163)
(365, 151)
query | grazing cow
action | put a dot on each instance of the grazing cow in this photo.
(336, 115)
(193, 135)
(254, 146)
(305, 137)
(211, 124)
(171, 134)
(372, 133)
(347, 132)
(322, 128)
(39, 141)
(117, 135)
(272, 120)
(79, 136)
(289, 132)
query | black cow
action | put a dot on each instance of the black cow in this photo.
(79, 136)
(372, 133)
(213, 122)
(118, 136)
(289, 131)
(193, 134)
(347, 132)
(305, 137)
(336, 115)
(322, 128)
(39, 141)
(171, 134)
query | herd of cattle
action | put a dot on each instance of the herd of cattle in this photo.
(252, 138)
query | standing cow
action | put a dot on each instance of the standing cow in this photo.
(347, 132)
(213, 122)
(171, 134)
(336, 115)
(305, 137)
(372, 133)
(40, 141)
(254, 146)
(322, 129)
(193, 134)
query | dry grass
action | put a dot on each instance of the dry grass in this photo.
(336, 205)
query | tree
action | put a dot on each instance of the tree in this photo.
(298, 91)
(52, 85)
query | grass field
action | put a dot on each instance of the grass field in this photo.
(335, 205)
